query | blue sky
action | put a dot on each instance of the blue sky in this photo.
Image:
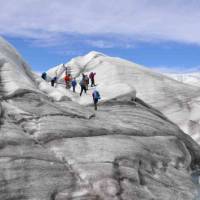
(161, 34)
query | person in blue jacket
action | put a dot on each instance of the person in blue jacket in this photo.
(96, 97)
(74, 84)
(53, 81)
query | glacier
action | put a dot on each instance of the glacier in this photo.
(54, 146)
(178, 101)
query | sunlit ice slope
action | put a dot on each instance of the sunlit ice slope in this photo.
(118, 77)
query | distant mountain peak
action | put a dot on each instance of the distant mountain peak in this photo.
(95, 54)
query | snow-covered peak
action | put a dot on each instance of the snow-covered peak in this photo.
(85, 60)
(111, 76)
(93, 54)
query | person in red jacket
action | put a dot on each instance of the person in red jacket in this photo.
(91, 76)
(68, 80)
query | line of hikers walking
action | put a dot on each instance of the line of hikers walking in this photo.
(84, 83)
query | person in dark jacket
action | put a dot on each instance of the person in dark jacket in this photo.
(96, 97)
(83, 86)
(53, 81)
(74, 83)
(91, 76)
(87, 80)
(44, 76)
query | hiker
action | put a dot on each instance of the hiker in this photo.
(74, 83)
(66, 69)
(83, 76)
(83, 86)
(91, 76)
(53, 81)
(87, 81)
(96, 97)
(44, 76)
(68, 79)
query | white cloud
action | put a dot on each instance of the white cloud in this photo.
(100, 44)
(146, 20)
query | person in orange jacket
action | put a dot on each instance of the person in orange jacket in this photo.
(68, 80)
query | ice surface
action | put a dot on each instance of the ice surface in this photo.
(118, 77)
(110, 78)
(52, 148)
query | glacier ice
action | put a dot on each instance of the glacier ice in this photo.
(54, 148)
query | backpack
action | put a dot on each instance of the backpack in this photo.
(81, 83)
(96, 95)
(74, 83)
(54, 79)
(86, 80)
